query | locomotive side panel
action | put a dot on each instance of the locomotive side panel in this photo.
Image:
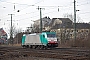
(33, 40)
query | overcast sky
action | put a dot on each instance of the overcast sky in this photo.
(28, 11)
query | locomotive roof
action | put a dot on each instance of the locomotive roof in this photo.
(40, 33)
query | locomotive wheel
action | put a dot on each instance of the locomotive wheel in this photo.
(30, 46)
(33, 46)
(37, 47)
(45, 47)
(41, 47)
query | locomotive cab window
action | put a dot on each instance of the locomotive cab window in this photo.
(51, 35)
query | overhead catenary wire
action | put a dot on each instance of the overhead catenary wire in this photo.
(22, 4)
(16, 3)
(26, 13)
(37, 15)
(85, 13)
(49, 7)
(44, 6)
(84, 4)
(5, 16)
(28, 18)
(34, 4)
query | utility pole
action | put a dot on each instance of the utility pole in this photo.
(11, 32)
(40, 18)
(74, 20)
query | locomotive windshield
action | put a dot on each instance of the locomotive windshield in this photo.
(51, 35)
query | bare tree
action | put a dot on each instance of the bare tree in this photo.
(71, 17)
(14, 33)
(11, 32)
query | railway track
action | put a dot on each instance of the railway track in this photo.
(58, 53)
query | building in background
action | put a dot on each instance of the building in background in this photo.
(45, 22)
(3, 36)
(64, 27)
